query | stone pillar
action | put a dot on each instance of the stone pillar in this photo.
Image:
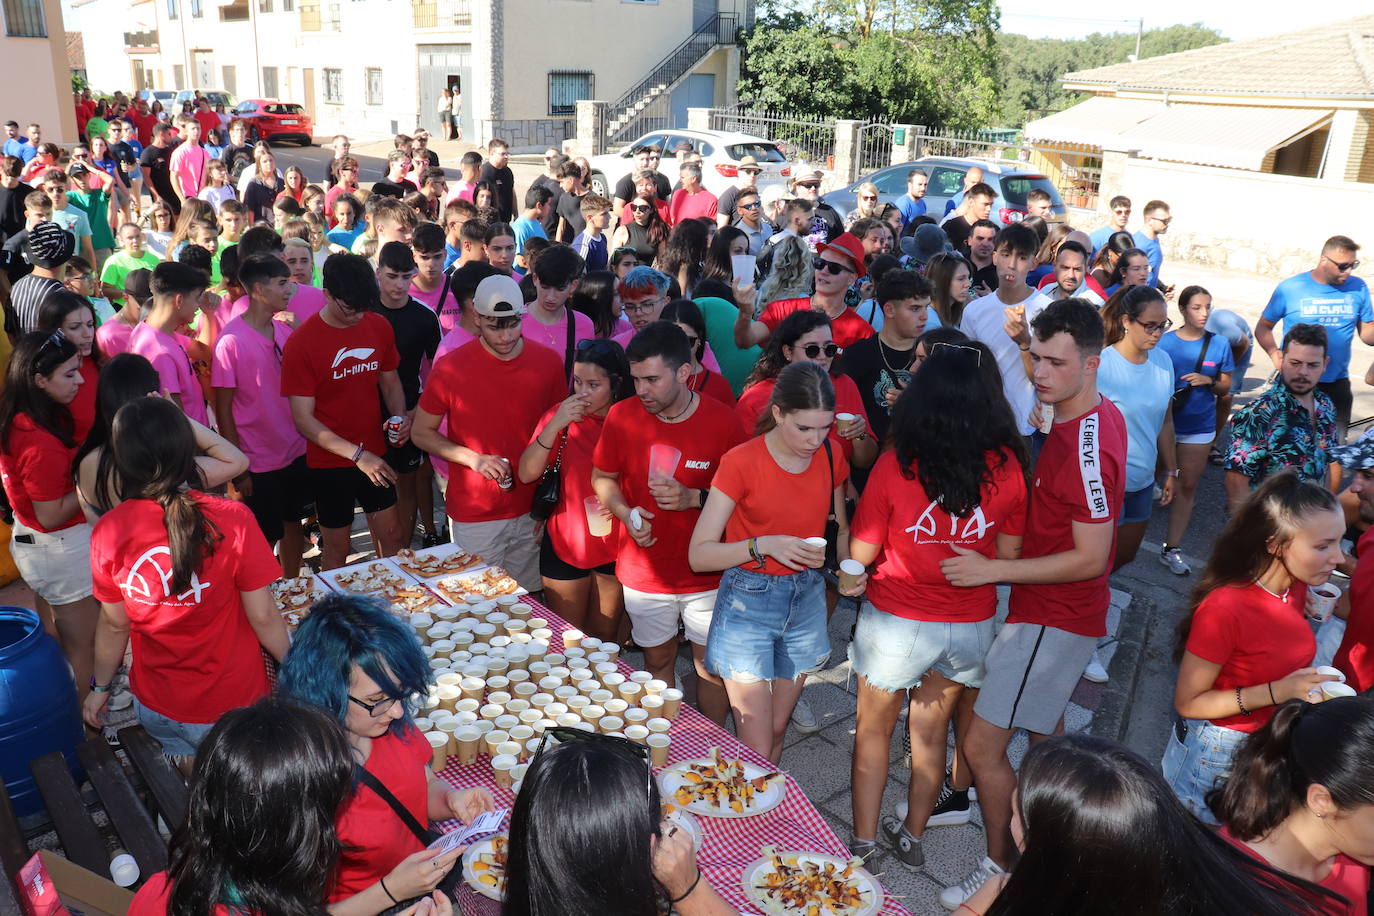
(904, 142)
(698, 119)
(589, 133)
(1113, 175)
(846, 153)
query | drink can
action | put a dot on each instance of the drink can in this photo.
(508, 481)
(393, 429)
(1046, 417)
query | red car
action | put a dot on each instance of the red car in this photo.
(269, 119)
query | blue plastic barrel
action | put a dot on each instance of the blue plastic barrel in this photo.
(38, 711)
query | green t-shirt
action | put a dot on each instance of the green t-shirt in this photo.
(119, 265)
(735, 364)
(97, 127)
(96, 206)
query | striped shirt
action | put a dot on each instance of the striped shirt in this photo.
(27, 297)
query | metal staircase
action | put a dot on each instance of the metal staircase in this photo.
(645, 106)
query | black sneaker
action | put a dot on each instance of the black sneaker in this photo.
(951, 808)
(430, 540)
(906, 848)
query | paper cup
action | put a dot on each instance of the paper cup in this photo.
(497, 684)
(540, 700)
(525, 689)
(659, 725)
(439, 744)
(531, 716)
(672, 702)
(601, 697)
(640, 677)
(637, 733)
(564, 693)
(506, 722)
(438, 664)
(491, 711)
(531, 747)
(613, 680)
(577, 702)
(556, 709)
(1333, 672)
(465, 718)
(630, 691)
(467, 704)
(611, 649)
(473, 687)
(438, 715)
(483, 726)
(1333, 689)
(850, 571)
(516, 705)
(449, 696)
(610, 724)
(568, 720)
(501, 766)
(598, 524)
(538, 670)
(616, 706)
(592, 713)
(515, 625)
(635, 716)
(516, 675)
(511, 748)
(520, 609)
(655, 686)
(652, 703)
(468, 740)
(549, 683)
(507, 600)
(494, 739)
(1321, 601)
(537, 623)
(521, 733)
(658, 748)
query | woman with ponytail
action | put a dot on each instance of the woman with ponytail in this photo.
(1245, 646)
(1301, 796)
(186, 575)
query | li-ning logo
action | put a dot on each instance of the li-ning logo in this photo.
(138, 583)
(361, 354)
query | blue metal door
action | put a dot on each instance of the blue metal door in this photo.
(696, 91)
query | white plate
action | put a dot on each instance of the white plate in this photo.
(470, 876)
(674, 776)
(331, 577)
(688, 823)
(868, 885)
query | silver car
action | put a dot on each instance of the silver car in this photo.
(1011, 180)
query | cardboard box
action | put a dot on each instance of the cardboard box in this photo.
(49, 885)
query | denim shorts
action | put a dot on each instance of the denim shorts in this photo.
(894, 653)
(1138, 505)
(1198, 763)
(768, 627)
(178, 739)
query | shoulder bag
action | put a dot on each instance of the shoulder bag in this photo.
(832, 524)
(549, 489)
(1181, 395)
(422, 833)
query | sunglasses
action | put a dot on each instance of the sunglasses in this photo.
(639, 208)
(1342, 266)
(813, 351)
(56, 339)
(597, 345)
(821, 265)
(813, 185)
(753, 206)
(977, 354)
(622, 746)
(869, 197)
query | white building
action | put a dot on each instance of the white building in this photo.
(370, 68)
(37, 84)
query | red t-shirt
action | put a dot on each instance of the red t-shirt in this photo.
(771, 500)
(493, 407)
(208, 121)
(1080, 477)
(1255, 638)
(754, 401)
(847, 329)
(1355, 657)
(567, 526)
(341, 368)
(195, 654)
(155, 896)
(915, 534)
(712, 384)
(703, 438)
(83, 408)
(683, 206)
(374, 838)
(1347, 877)
(143, 123)
(36, 467)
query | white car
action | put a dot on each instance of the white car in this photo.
(720, 151)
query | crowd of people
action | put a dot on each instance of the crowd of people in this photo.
(676, 416)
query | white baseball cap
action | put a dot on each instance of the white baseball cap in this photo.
(498, 297)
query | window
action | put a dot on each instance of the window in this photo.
(178, 76)
(333, 86)
(283, 108)
(269, 82)
(892, 181)
(264, 6)
(171, 9)
(236, 11)
(197, 10)
(374, 85)
(24, 19)
(288, 6)
(230, 80)
(566, 88)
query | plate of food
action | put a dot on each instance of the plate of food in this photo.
(294, 598)
(437, 561)
(813, 883)
(367, 579)
(411, 598)
(489, 583)
(719, 787)
(675, 814)
(484, 867)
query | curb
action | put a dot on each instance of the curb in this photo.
(1112, 716)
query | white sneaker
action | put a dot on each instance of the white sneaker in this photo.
(1172, 557)
(951, 898)
(803, 719)
(1095, 671)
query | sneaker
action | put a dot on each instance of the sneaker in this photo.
(905, 847)
(864, 849)
(1095, 671)
(803, 719)
(951, 898)
(951, 808)
(1172, 557)
(430, 540)
(120, 698)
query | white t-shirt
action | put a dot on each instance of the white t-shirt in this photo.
(983, 320)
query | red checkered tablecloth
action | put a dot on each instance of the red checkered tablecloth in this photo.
(732, 844)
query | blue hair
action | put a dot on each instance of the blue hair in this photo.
(343, 631)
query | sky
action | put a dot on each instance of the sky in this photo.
(1235, 19)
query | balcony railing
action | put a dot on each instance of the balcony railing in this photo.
(441, 13)
(144, 39)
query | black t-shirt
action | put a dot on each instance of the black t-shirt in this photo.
(157, 169)
(834, 223)
(397, 189)
(625, 187)
(570, 208)
(417, 337)
(12, 209)
(726, 204)
(958, 230)
(236, 159)
(504, 181)
(127, 159)
(987, 277)
(876, 369)
(551, 220)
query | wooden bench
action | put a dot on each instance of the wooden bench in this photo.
(132, 820)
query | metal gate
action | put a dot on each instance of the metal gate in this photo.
(875, 147)
(444, 67)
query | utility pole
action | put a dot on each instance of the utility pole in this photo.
(1139, 30)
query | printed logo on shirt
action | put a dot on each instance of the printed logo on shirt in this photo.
(1326, 307)
(927, 527)
(698, 465)
(138, 583)
(1090, 468)
(361, 354)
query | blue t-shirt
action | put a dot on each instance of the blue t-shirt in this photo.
(1037, 274)
(21, 148)
(526, 229)
(1099, 238)
(1141, 393)
(1154, 251)
(593, 249)
(345, 238)
(1197, 414)
(910, 209)
(1339, 309)
(451, 255)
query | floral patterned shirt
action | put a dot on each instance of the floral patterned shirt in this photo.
(1275, 431)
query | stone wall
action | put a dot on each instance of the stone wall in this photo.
(529, 136)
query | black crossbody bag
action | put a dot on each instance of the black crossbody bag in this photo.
(422, 833)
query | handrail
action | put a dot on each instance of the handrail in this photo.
(719, 29)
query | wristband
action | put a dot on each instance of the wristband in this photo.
(100, 688)
(382, 882)
(1241, 704)
(547, 448)
(358, 454)
(1272, 701)
(687, 893)
(754, 552)
(1173, 473)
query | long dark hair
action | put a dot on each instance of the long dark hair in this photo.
(658, 229)
(1119, 269)
(259, 834)
(790, 330)
(1269, 518)
(686, 247)
(1126, 302)
(954, 425)
(580, 835)
(56, 309)
(718, 265)
(609, 357)
(800, 386)
(489, 187)
(593, 298)
(1105, 834)
(1118, 243)
(155, 457)
(940, 272)
(36, 353)
(685, 311)
(1330, 744)
(124, 378)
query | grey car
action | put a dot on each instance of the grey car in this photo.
(1011, 180)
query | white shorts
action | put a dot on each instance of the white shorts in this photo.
(507, 542)
(1196, 438)
(55, 564)
(654, 617)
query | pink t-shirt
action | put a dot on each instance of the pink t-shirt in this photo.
(113, 338)
(452, 309)
(555, 336)
(189, 161)
(173, 368)
(460, 189)
(453, 339)
(306, 303)
(708, 359)
(249, 363)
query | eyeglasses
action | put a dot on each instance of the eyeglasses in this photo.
(833, 267)
(977, 353)
(753, 206)
(869, 197)
(648, 305)
(622, 746)
(375, 709)
(813, 351)
(1155, 327)
(1342, 266)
